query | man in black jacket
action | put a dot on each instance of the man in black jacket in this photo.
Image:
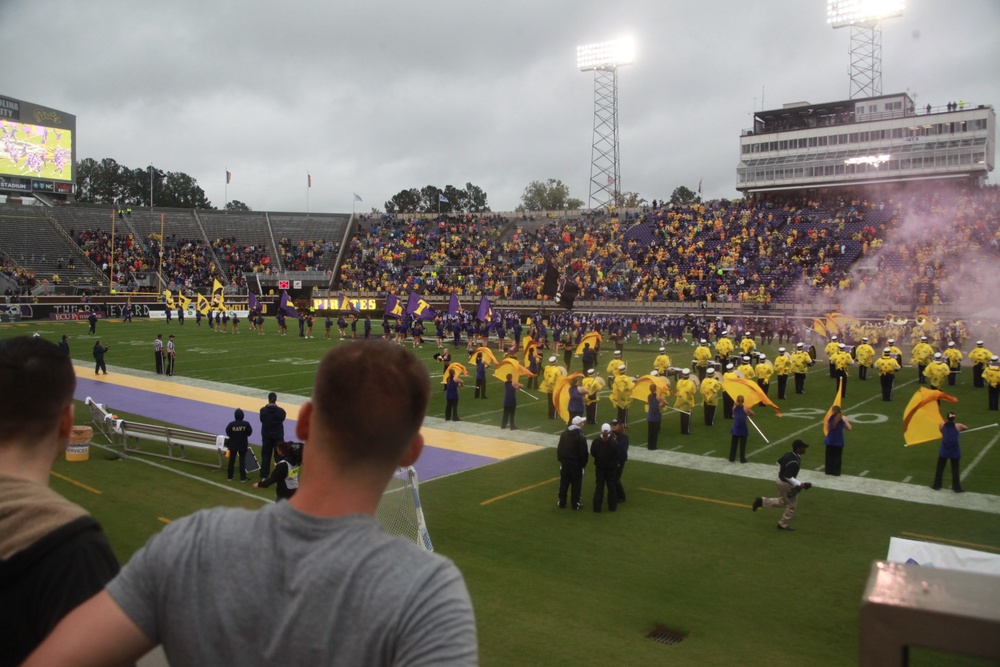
(238, 433)
(572, 455)
(53, 554)
(621, 438)
(604, 449)
(272, 431)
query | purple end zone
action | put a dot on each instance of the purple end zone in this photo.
(199, 416)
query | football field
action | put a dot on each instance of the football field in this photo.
(553, 586)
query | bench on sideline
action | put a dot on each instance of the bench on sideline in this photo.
(128, 434)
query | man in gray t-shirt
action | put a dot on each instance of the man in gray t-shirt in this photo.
(309, 581)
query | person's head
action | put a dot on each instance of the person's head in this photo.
(272, 398)
(739, 400)
(42, 400)
(367, 405)
(799, 447)
(616, 425)
(836, 409)
(951, 417)
(291, 451)
(510, 378)
(605, 431)
(652, 390)
(238, 415)
(451, 373)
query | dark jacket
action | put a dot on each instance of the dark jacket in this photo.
(605, 453)
(572, 448)
(272, 419)
(239, 432)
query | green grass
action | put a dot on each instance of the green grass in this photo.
(555, 587)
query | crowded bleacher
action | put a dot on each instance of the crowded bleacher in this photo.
(905, 242)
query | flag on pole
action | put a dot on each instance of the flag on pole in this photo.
(168, 299)
(218, 298)
(182, 301)
(922, 417)
(837, 400)
(699, 185)
(551, 283)
(309, 180)
(204, 306)
(346, 304)
(286, 305)
(419, 308)
(512, 367)
(750, 391)
(254, 304)
(442, 198)
(393, 306)
(485, 312)
(567, 295)
(357, 197)
(454, 307)
(229, 177)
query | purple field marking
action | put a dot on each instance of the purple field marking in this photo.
(207, 417)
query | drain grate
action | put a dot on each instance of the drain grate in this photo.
(664, 635)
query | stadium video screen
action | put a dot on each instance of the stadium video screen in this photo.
(35, 151)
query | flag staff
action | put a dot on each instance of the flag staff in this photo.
(758, 430)
(980, 428)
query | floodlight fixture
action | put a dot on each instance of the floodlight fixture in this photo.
(605, 55)
(604, 59)
(844, 13)
(864, 17)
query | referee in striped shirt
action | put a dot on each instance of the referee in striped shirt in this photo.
(158, 353)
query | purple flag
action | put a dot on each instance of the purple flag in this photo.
(485, 313)
(419, 308)
(286, 305)
(393, 306)
(254, 304)
(348, 305)
(454, 307)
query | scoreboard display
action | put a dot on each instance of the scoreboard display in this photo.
(37, 148)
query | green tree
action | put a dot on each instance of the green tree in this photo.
(684, 196)
(552, 195)
(631, 200)
(475, 199)
(107, 182)
(404, 201)
(237, 205)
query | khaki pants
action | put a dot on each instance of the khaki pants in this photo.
(783, 501)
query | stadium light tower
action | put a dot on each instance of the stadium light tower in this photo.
(605, 169)
(864, 17)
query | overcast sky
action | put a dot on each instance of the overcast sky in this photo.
(375, 97)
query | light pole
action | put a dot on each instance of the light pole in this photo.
(864, 18)
(604, 59)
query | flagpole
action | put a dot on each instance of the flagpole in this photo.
(529, 394)
(308, 187)
(225, 197)
(980, 428)
(758, 430)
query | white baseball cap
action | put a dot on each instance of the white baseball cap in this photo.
(578, 421)
(605, 428)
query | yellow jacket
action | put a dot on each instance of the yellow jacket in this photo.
(621, 391)
(864, 353)
(922, 353)
(764, 372)
(747, 345)
(661, 363)
(710, 388)
(782, 364)
(831, 349)
(887, 365)
(747, 371)
(590, 389)
(936, 373)
(954, 357)
(702, 355)
(724, 347)
(991, 375)
(684, 390)
(801, 361)
(550, 375)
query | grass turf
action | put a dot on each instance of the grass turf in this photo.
(552, 586)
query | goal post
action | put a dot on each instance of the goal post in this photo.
(399, 511)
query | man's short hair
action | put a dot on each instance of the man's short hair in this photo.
(41, 382)
(272, 397)
(371, 398)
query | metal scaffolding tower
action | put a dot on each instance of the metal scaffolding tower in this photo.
(605, 164)
(866, 60)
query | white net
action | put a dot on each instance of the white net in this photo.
(399, 510)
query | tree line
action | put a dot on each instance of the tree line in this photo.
(107, 182)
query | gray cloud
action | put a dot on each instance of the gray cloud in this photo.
(375, 97)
